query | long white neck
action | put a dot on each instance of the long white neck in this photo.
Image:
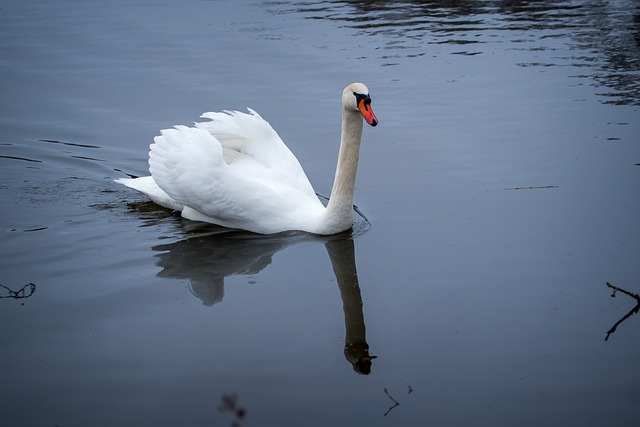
(339, 213)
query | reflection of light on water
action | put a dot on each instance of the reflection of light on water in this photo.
(602, 37)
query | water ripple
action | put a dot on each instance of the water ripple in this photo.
(602, 36)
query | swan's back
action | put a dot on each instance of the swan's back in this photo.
(234, 171)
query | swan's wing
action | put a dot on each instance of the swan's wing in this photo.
(248, 140)
(188, 165)
(246, 134)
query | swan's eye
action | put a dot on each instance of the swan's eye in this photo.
(362, 101)
(362, 97)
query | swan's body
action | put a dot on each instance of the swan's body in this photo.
(236, 172)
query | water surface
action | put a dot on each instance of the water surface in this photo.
(502, 189)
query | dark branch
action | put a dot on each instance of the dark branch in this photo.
(633, 311)
(395, 402)
(230, 404)
(20, 293)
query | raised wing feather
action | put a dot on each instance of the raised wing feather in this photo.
(247, 139)
(264, 184)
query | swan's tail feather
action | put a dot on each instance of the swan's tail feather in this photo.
(147, 186)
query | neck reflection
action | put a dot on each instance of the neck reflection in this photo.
(356, 349)
(207, 259)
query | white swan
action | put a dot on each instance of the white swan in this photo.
(236, 172)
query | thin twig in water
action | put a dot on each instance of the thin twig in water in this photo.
(359, 212)
(633, 311)
(230, 404)
(322, 197)
(538, 187)
(21, 293)
(395, 402)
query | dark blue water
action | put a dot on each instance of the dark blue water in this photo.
(502, 188)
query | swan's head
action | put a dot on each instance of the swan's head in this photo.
(356, 97)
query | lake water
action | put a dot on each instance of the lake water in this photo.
(502, 188)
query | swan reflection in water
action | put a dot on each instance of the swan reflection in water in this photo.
(205, 259)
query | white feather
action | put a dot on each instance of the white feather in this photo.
(235, 171)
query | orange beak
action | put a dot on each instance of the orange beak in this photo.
(367, 112)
